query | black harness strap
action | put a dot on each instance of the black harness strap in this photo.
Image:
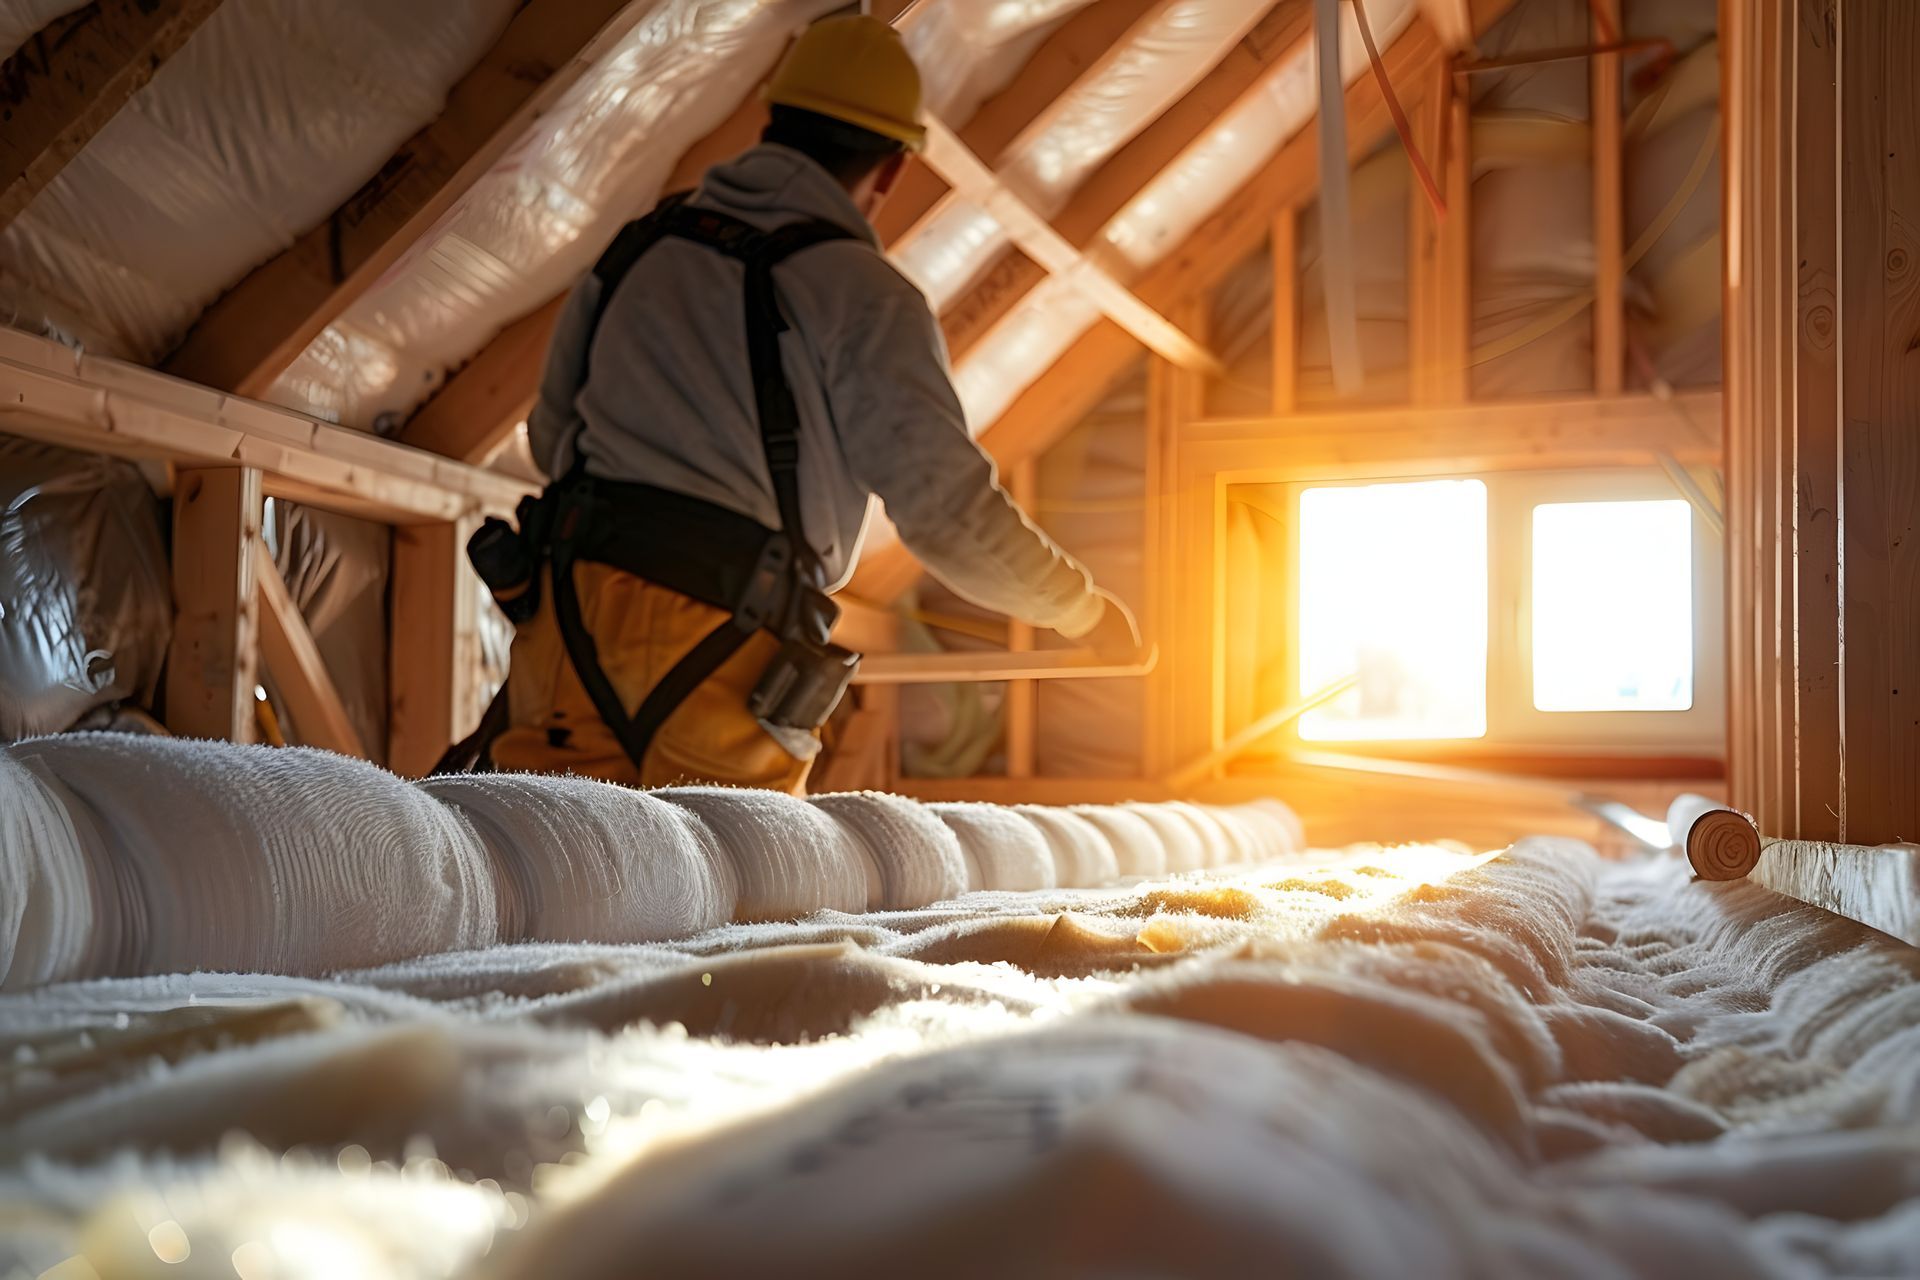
(787, 551)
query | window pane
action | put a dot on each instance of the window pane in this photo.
(1613, 606)
(1393, 585)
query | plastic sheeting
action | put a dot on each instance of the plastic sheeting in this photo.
(534, 224)
(86, 604)
(262, 124)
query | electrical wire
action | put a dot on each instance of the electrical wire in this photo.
(1400, 125)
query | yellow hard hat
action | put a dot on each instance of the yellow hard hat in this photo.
(856, 70)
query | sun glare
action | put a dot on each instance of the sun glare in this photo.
(1393, 586)
(1613, 606)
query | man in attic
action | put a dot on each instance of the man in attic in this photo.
(739, 374)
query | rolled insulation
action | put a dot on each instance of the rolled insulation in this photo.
(1721, 843)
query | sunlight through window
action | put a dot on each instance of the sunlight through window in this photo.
(1613, 606)
(1393, 586)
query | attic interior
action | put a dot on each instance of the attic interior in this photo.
(1498, 855)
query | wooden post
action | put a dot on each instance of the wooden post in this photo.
(1439, 283)
(212, 666)
(1609, 209)
(434, 655)
(1823, 394)
(1177, 585)
(300, 674)
(1285, 245)
(1022, 695)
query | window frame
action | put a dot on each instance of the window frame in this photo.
(1512, 721)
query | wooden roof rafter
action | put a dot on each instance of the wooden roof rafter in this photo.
(254, 332)
(479, 408)
(62, 87)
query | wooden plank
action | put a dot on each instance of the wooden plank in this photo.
(1609, 208)
(1877, 887)
(982, 668)
(1439, 282)
(1452, 21)
(1022, 705)
(49, 392)
(1176, 397)
(300, 674)
(252, 334)
(971, 179)
(1879, 187)
(1285, 242)
(1452, 439)
(480, 408)
(212, 662)
(1818, 797)
(61, 87)
(433, 666)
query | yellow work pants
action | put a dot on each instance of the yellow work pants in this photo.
(641, 630)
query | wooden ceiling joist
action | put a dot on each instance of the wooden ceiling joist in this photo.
(1081, 378)
(259, 328)
(51, 393)
(60, 88)
(973, 181)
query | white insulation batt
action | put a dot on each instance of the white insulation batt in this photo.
(1367, 1063)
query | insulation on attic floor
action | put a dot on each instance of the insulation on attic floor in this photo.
(1366, 1062)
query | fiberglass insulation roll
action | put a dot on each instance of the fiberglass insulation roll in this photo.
(915, 857)
(1003, 851)
(259, 859)
(1137, 850)
(582, 861)
(47, 897)
(781, 857)
(1082, 857)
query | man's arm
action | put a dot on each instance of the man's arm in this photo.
(906, 438)
(553, 422)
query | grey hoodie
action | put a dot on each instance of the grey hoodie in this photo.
(670, 403)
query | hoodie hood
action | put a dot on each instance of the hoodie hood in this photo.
(774, 180)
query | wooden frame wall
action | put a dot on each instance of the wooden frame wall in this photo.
(1822, 196)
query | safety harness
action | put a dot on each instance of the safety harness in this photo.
(766, 579)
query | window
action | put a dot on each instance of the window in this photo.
(1613, 606)
(1393, 587)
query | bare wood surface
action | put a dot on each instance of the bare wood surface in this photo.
(212, 663)
(1875, 886)
(433, 665)
(1609, 208)
(1051, 664)
(259, 328)
(300, 674)
(50, 392)
(59, 89)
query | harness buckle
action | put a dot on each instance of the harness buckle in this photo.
(769, 586)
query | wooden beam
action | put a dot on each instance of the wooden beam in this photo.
(300, 674)
(480, 406)
(212, 663)
(1176, 397)
(251, 335)
(1451, 20)
(61, 87)
(979, 185)
(1440, 279)
(1022, 705)
(51, 392)
(1609, 208)
(1281, 34)
(1062, 58)
(1284, 242)
(1496, 435)
(980, 668)
(1080, 379)
(433, 667)
(1877, 887)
